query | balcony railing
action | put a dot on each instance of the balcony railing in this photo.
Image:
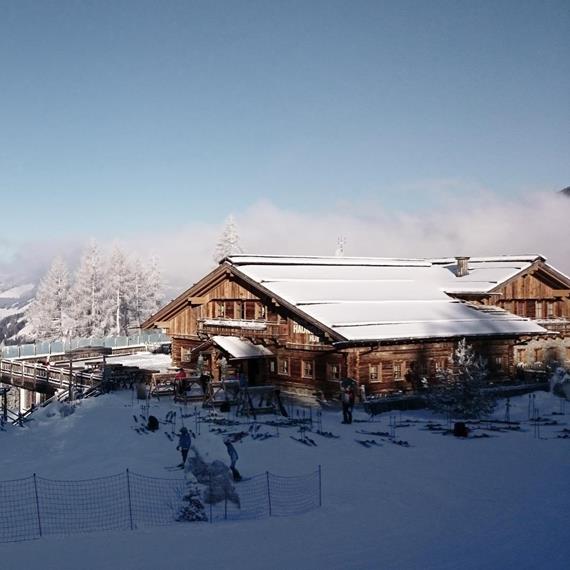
(555, 325)
(242, 327)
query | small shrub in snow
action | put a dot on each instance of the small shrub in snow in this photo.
(193, 508)
(461, 394)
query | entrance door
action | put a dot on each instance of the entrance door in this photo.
(253, 372)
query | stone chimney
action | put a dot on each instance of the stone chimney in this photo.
(462, 266)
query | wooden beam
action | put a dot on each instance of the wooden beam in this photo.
(197, 300)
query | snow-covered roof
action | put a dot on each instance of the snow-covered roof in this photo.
(390, 299)
(240, 348)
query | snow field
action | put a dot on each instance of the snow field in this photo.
(441, 503)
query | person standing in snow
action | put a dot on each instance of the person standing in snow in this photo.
(347, 399)
(184, 443)
(233, 459)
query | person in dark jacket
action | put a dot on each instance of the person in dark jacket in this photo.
(184, 443)
(347, 399)
(233, 459)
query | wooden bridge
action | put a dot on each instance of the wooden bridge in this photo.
(45, 379)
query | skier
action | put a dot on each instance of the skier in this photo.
(233, 459)
(184, 442)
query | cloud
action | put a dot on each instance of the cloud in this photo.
(476, 226)
(482, 224)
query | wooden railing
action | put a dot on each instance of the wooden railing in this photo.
(242, 327)
(41, 378)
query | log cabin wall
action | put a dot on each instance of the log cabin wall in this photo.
(400, 367)
(529, 296)
(538, 296)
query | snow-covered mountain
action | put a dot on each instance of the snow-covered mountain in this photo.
(15, 297)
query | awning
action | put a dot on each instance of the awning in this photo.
(241, 349)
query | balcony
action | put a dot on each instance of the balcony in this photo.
(559, 325)
(241, 327)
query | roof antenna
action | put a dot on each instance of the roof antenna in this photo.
(340, 243)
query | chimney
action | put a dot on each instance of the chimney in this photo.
(462, 266)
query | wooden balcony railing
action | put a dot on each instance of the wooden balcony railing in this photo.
(242, 327)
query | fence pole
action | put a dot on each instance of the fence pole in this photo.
(210, 493)
(130, 502)
(37, 505)
(268, 491)
(320, 489)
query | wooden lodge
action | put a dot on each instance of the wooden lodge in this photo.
(303, 323)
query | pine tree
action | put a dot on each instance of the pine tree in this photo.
(48, 314)
(145, 293)
(119, 293)
(88, 294)
(461, 394)
(193, 508)
(229, 242)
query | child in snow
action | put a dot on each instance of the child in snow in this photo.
(184, 443)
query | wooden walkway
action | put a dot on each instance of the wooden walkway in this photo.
(45, 379)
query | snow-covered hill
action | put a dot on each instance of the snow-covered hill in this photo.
(15, 297)
(494, 502)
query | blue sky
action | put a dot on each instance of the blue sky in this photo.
(120, 117)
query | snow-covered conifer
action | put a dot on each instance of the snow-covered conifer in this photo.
(145, 293)
(88, 294)
(119, 292)
(229, 242)
(48, 314)
(461, 392)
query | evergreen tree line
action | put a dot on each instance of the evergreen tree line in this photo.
(106, 297)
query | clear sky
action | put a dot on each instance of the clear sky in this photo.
(121, 116)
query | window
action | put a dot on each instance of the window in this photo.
(261, 311)
(283, 366)
(440, 364)
(498, 362)
(398, 368)
(538, 354)
(375, 372)
(334, 372)
(550, 310)
(308, 369)
(521, 355)
(220, 309)
(229, 309)
(272, 366)
(521, 309)
(249, 310)
(538, 310)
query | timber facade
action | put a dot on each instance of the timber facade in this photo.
(306, 355)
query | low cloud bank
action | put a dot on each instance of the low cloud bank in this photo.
(483, 224)
(478, 226)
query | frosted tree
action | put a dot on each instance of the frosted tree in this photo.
(88, 294)
(118, 293)
(146, 292)
(228, 244)
(461, 393)
(48, 314)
